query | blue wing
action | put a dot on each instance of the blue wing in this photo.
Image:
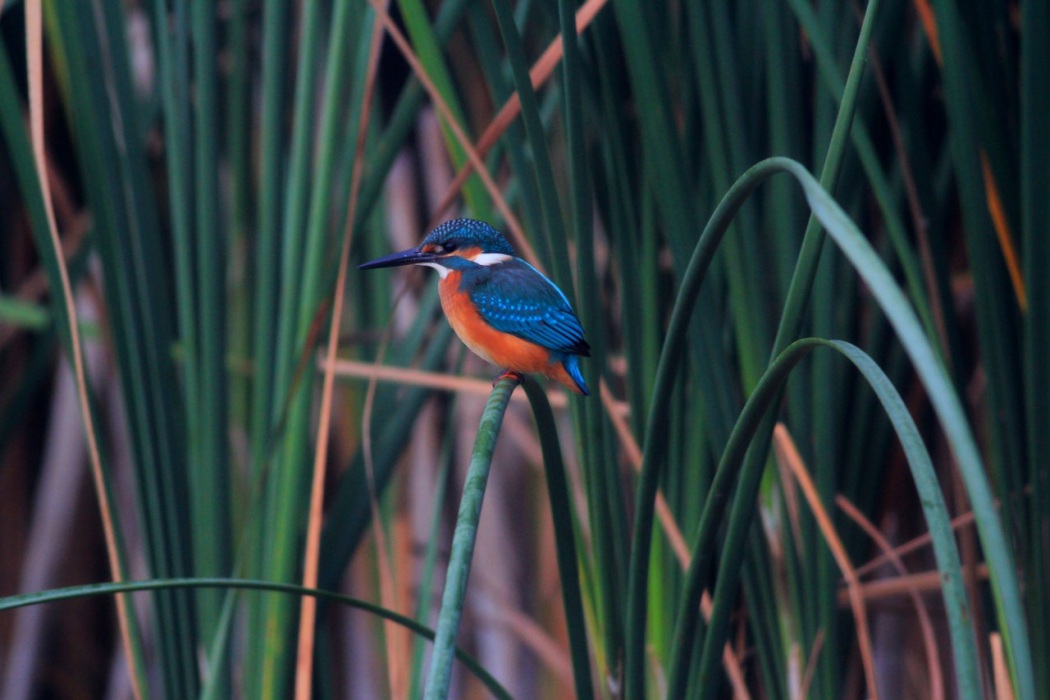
(516, 298)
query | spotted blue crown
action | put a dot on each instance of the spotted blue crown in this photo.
(468, 233)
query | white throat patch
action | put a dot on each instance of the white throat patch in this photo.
(442, 270)
(487, 259)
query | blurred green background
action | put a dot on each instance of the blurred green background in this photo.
(210, 163)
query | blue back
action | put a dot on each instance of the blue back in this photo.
(514, 297)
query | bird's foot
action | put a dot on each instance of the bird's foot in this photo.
(518, 377)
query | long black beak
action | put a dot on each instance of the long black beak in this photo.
(412, 256)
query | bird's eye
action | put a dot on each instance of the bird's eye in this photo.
(442, 248)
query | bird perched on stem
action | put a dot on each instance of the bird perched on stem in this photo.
(503, 308)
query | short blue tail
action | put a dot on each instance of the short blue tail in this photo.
(572, 366)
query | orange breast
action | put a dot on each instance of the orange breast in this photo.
(502, 349)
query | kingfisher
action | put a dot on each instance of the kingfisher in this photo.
(500, 306)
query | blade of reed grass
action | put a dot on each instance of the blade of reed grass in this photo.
(727, 152)
(605, 502)
(107, 589)
(727, 102)
(656, 444)
(991, 35)
(308, 610)
(790, 463)
(485, 37)
(270, 214)
(20, 156)
(590, 420)
(511, 107)
(215, 684)
(997, 312)
(593, 445)
(922, 614)
(565, 537)
(807, 274)
(439, 677)
(831, 298)
(405, 113)
(613, 193)
(657, 418)
(637, 591)
(862, 141)
(426, 577)
(572, 93)
(279, 273)
(239, 100)
(209, 474)
(812, 242)
(192, 182)
(605, 558)
(110, 142)
(302, 294)
(1035, 220)
(865, 261)
(349, 512)
(172, 48)
(296, 196)
(572, 86)
(996, 306)
(237, 87)
(491, 188)
(26, 155)
(425, 40)
(784, 120)
(553, 249)
(967, 663)
(657, 126)
(35, 375)
(759, 587)
(662, 154)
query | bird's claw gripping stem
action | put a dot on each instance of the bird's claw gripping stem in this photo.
(518, 377)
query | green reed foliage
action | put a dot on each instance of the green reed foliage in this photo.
(218, 191)
(439, 679)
